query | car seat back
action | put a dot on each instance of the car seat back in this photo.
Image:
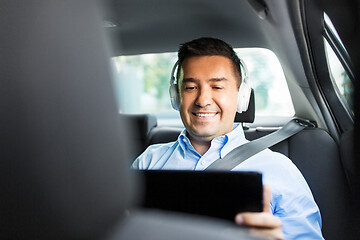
(61, 145)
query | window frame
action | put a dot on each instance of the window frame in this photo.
(339, 50)
(336, 116)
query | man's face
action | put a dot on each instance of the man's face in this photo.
(208, 96)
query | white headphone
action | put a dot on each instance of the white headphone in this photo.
(243, 95)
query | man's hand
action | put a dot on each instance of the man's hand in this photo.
(262, 224)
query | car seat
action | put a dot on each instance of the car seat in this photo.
(63, 174)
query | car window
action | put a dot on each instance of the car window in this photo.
(142, 84)
(339, 77)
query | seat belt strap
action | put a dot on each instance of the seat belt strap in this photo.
(243, 152)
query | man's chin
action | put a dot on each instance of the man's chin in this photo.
(203, 135)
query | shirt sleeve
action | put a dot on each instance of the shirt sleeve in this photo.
(298, 212)
(292, 200)
(154, 156)
(143, 161)
(136, 163)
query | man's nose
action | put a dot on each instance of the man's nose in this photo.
(204, 97)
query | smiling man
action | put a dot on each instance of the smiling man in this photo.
(209, 89)
(207, 93)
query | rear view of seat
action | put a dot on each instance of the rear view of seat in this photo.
(63, 174)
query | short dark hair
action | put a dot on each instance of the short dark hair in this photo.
(209, 47)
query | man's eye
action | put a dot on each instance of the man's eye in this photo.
(189, 87)
(217, 87)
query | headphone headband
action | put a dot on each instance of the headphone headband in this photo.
(244, 74)
(172, 79)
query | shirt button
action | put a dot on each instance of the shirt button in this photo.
(203, 162)
(184, 140)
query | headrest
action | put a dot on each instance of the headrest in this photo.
(249, 115)
(143, 123)
(62, 173)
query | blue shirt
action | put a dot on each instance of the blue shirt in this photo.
(291, 199)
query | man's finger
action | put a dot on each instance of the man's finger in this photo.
(266, 198)
(261, 220)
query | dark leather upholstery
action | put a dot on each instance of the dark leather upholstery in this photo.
(140, 126)
(164, 134)
(249, 115)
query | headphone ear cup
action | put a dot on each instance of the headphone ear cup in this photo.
(243, 97)
(174, 98)
(173, 90)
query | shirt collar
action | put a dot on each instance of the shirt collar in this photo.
(225, 143)
(237, 133)
(185, 144)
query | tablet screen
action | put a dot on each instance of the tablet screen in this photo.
(210, 193)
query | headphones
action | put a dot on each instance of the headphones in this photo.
(243, 95)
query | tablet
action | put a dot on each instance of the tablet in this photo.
(209, 193)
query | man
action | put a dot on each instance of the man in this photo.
(206, 94)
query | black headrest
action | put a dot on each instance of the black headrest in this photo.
(249, 115)
(62, 175)
(143, 123)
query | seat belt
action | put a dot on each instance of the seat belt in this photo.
(243, 152)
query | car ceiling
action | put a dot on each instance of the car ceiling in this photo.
(161, 25)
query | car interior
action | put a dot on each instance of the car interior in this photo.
(297, 32)
(68, 143)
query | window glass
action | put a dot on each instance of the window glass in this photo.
(341, 81)
(142, 83)
(272, 97)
